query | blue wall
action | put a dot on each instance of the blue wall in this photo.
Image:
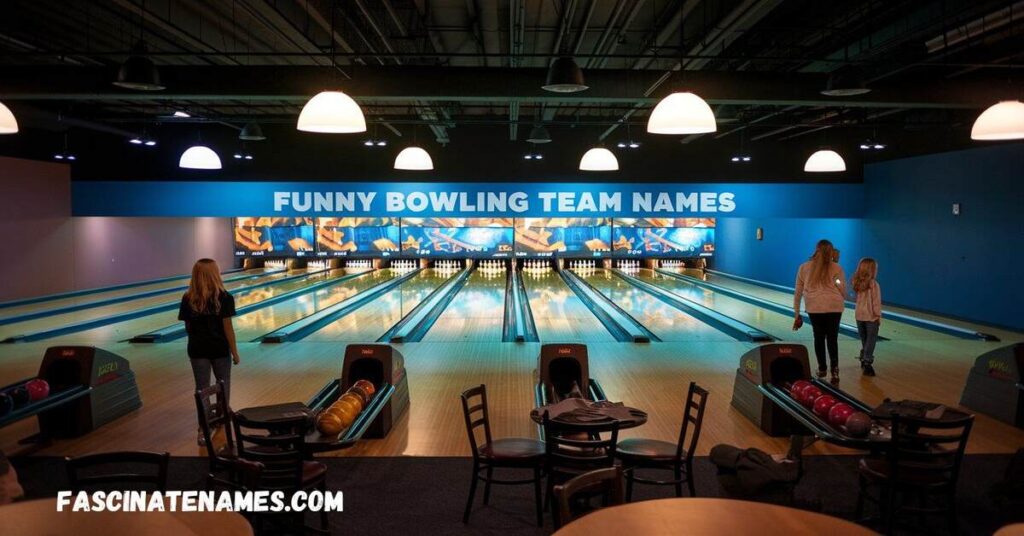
(969, 266)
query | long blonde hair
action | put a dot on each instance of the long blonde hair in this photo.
(205, 287)
(867, 271)
(821, 268)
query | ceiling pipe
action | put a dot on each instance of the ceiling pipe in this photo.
(975, 28)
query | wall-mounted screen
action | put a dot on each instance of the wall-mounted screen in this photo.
(664, 241)
(344, 237)
(274, 237)
(457, 222)
(664, 222)
(483, 242)
(542, 237)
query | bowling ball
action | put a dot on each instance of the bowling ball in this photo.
(37, 389)
(839, 413)
(329, 424)
(361, 393)
(6, 404)
(797, 388)
(19, 395)
(809, 395)
(348, 405)
(354, 399)
(823, 404)
(347, 415)
(367, 386)
(858, 424)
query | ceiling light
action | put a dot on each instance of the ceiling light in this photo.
(414, 159)
(331, 112)
(564, 76)
(825, 161)
(238, 156)
(150, 143)
(528, 156)
(599, 159)
(735, 159)
(871, 145)
(1001, 121)
(135, 141)
(533, 156)
(845, 82)
(634, 145)
(138, 71)
(681, 113)
(199, 157)
(58, 157)
(70, 157)
(382, 143)
(878, 146)
(248, 157)
(865, 146)
(539, 134)
(251, 132)
(740, 158)
(368, 143)
(746, 159)
(8, 124)
(621, 145)
(179, 113)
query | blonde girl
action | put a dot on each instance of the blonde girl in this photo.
(869, 311)
(821, 285)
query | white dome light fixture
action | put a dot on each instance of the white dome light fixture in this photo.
(1001, 121)
(825, 161)
(682, 113)
(331, 112)
(199, 157)
(414, 159)
(599, 159)
(8, 124)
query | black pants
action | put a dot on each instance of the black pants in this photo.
(826, 335)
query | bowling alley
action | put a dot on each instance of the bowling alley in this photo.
(511, 267)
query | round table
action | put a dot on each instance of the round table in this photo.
(707, 516)
(41, 518)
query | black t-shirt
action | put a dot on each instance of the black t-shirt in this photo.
(206, 338)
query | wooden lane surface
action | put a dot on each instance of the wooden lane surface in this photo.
(559, 314)
(476, 314)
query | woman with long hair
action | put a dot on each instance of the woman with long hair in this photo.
(869, 311)
(207, 309)
(821, 284)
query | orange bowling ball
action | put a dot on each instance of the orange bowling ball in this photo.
(334, 410)
(354, 399)
(329, 424)
(361, 393)
(348, 415)
(366, 385)
(348, 404)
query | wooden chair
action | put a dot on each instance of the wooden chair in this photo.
(652, 454)
(570, 453)
(604, 482)
(921, 466)
(504, 453)
(283, 456)
(213, 412)
(118, 470)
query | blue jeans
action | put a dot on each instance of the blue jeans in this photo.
(868, 332)
(221, 369)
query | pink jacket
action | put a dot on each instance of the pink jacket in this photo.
(869, 304)
(830, 298)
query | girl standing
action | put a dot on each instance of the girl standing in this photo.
(869, 310)
(207, 309)
(821, 283)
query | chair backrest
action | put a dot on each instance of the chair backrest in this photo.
(118, 471)
(213, 411)
(279, 446)
(693, 415)
(606, 482)
(474, 410)
(573, 448)
(928, 451)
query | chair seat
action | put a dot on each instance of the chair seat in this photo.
(880, 470)
(636, 449)
(513, 449)
(312, 471)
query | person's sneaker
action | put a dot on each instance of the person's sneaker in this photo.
(869, 370)
(822, 372)
(862, 365)
(835, 377)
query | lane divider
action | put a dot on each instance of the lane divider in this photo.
(620, 324)
(523, 311)
(726, 324)
(415, 325)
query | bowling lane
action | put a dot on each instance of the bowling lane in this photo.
(476, 314)
(267, 319)
(372, 320)
(129, 328)
(559, 314)
(49, 322)
(770, 322)
(667, 322)
(8, 312)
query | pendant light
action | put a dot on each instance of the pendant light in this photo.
(251, 132)
(682, 112)
(564, 76)
(539, 134)
(1001, 121)
(138, 72)
(331, 112)
(199, 157)
(414, 158)
(825, 161)
(846, 81)
(8, 124)
(599, 159)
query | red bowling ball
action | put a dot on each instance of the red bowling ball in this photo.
(809, 395)
(839, 413)
(858, 424)
(797, 388)
(37, 389)
(823, 404)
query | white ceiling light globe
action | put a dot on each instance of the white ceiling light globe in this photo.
(682, 113)
(331, 112)
(825, 161)
(414, 159)
(199, 157)
(599, 159)
(8, 124)
(1001, 121)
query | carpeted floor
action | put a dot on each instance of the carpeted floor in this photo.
(425, 496)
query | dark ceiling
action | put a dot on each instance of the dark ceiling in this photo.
(462, 78)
